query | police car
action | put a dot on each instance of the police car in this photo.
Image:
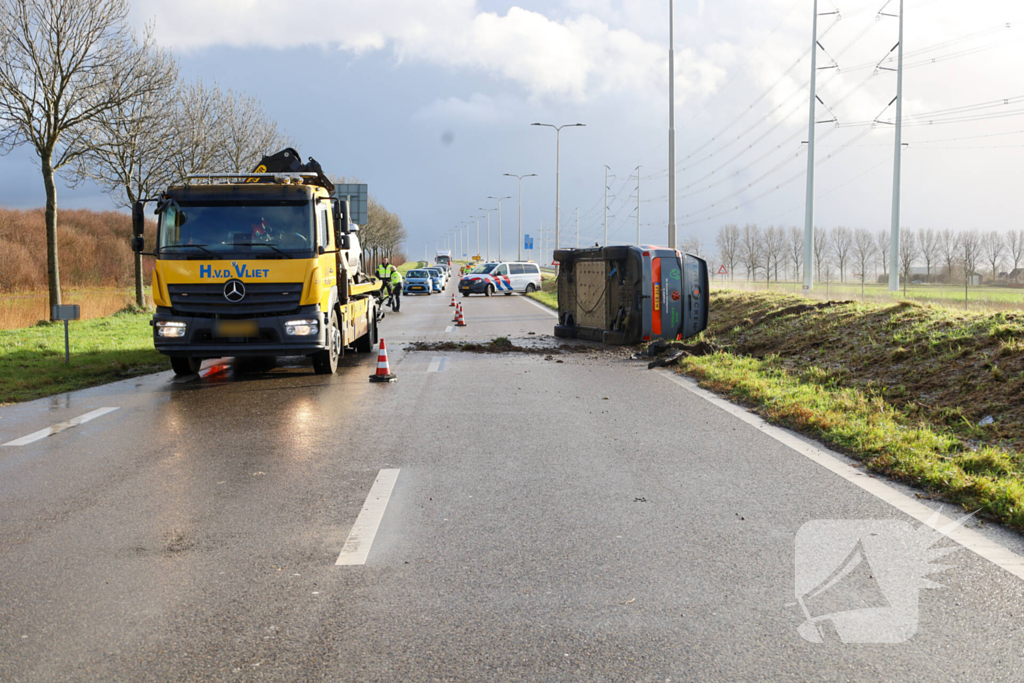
(502, 276)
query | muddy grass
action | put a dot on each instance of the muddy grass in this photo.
(927, 395)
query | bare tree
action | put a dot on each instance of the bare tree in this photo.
(863, 252)
(773, 248)
(883, 239)
(928, 243)
(63, 64)
(908, 254)
(840, 242)
(248, 133)
(795, 250)
(198, 130)
(728, 242)
(821, 249)
(750, 249)
(1015, 247)
(949, 249)
(993, 247)
(129, 156)
(969, 247)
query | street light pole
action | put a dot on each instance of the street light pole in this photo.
(671, 133)
(520, 177)
(487, 212)
(498, 199)
(558, 169)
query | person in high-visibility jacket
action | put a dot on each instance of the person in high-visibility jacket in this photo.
(385, 272)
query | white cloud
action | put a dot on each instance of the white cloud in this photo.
(575, 58)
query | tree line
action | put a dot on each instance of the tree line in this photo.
(846, 254)
(95, 101)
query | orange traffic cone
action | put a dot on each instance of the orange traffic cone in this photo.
(383, 373)
(453, 299)
(460, 320)
(455, 318)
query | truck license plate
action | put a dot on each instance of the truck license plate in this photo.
(236, 328)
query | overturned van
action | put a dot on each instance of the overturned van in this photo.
(628, 295)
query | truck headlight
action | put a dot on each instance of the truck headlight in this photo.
(301, 328)
(170, 328)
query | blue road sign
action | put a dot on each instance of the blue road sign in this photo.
(527, 242)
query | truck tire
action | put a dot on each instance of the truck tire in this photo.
(326, 362)
(368, 341)
(185, 366)
(616, 253)
(565, 331)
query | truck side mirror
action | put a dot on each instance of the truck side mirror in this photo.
(341, 217)
(138, 244)
(138, 219)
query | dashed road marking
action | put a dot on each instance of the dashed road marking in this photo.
(974, 541)
(58, 428)
(438, 364)
(449, 328)
(357, 547)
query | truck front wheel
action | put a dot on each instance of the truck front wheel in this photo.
(326, 362)
(185, 366)
(368, 342)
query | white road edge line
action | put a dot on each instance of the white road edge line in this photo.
(435, 363)
(58, 428)
(970, 539)
(357, 547)
(541, 306)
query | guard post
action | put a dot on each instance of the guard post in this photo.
(66, 313)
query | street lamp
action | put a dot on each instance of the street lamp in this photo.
(488, 214)
(558, 167)
(498, 199)
(520, 177)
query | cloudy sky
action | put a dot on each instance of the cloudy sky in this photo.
(430, 103)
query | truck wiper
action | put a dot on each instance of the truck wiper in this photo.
(195, 246)
(284, 254)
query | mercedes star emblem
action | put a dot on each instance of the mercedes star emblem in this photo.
(234, 291)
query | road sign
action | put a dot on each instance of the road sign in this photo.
(722, 270)
(66, 313)
(477, 257)
(527, 242)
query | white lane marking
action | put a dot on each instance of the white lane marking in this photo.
(449, 328)
(357, 547)
(541, 306)
(438, 363)
(58, 428)
(969, 538)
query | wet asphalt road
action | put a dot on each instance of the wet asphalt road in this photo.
(586, 520)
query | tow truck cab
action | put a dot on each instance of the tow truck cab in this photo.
(258, 269)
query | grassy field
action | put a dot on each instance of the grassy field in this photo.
(921, 393)
(102, 350)
(22, 309)
(979, 297)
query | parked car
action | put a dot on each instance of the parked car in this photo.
(505, 277)
(418, 281)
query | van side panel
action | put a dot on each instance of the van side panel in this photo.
(656, 297)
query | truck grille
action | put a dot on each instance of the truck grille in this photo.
(261, 299)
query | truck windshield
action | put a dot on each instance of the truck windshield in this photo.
(270, 230)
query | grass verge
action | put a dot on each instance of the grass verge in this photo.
(906, 389)
(102, 350)
(548, 294)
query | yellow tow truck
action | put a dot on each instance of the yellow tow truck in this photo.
(265, 263)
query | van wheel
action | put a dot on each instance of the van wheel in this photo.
(530, 289)
(326, 362)
(489, 291)
(185, 366)
(508, 293)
